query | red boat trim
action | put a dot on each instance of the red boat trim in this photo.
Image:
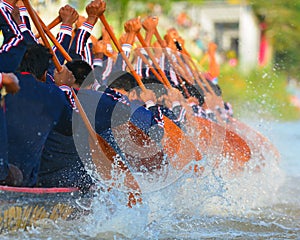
(37, 190)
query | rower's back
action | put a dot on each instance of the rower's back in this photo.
(33, 112)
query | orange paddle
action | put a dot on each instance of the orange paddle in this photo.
(176, 139)
(104, 155)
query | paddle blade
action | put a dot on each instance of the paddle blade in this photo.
(230, 144)
(142, 153)
(105, 157)
(179, 149)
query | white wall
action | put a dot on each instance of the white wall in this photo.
(249, 39)
(248, 33)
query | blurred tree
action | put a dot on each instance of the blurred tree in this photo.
(282, 18)
(120, 7)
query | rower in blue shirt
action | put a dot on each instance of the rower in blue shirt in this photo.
(34, 111)
(11, 54)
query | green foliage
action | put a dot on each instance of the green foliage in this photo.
(283, 28)
(261, 93)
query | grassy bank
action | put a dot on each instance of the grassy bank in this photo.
(260, 93)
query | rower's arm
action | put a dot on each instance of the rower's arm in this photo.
(13, 47)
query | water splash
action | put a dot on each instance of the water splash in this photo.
(213, 198)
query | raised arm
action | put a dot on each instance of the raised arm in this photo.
(93, 10)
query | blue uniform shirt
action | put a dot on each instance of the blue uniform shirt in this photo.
(31, 114)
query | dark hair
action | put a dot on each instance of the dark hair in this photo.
(216, 88)
(193, 90)
(36, 60)
(155, 85)
(82, 71)
(122, 80)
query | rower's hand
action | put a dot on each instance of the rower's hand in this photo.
(150, 23)
(133, 199)
(102, 7)
(169, 42)
(64, 77)
(94, 10)
(133, 25)
(148, 96)
(68, 15)
(174, 95)
(170, 37)
(11, 82)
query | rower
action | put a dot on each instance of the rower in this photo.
(11, 53)
(34, 111)
(9, 173)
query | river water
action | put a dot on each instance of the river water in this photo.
(250, 205)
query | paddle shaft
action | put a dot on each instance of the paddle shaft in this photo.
(92, 133)
(146, 61)
(168, 123)
(154, 62)
(120, 50)
(38, 25)
(54, 40)
(51, 25)
(241, 143)
(163, 46)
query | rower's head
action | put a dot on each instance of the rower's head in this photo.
(83, 73)
(36, 61)
(155, 85)
(123, 82)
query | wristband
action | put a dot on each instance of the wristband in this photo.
(22, 27)
(109, 48)
(98, 62)
(87, 27)
(126, 47)
(66, 29)
(175, 104)
(149, 104)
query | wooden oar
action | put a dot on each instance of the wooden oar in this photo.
(210, 135)
(176, 143)
(53, 39)
(104, 154)
(244, 130)
(51, 25)
(135, 144)
(241, 148)
(142, 139)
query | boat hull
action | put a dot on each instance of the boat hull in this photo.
(23, 207)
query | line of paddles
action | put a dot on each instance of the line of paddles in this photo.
(174, 142)
(131, 139)
(103, 155)
(233, 145)
(233, 124)
(254, 139)
(180, 150)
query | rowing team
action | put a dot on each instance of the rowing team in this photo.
(38, 108)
